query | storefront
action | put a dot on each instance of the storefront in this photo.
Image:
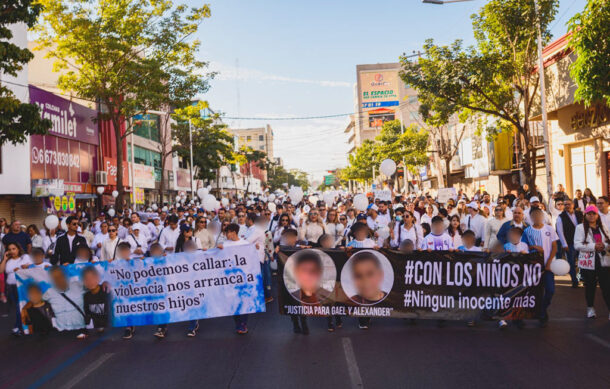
(63, 162)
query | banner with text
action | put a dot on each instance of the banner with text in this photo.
(178, 287)
(428, 285)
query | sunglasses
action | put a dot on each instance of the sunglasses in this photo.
(111, 230)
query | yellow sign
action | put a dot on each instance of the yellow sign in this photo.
(64, 203)
(71, 203)
(57, 203)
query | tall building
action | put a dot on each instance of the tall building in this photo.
(380, 96)
(260, 139)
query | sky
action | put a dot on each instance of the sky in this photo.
(290, 59)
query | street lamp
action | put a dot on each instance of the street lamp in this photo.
(545, 130)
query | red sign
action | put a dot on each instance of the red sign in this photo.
(110, 166)
(52, 157)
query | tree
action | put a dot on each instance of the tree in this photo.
(246, 156)
(212, 143)
(497, 77)
(277, 176)
(130, 55)
(410, 144)
(590, 40)
(17, 120)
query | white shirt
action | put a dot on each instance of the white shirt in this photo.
(135, 241)
(257, 237)
(543, 237)
(231, 243)
(384, 219)
(99, 238)
(169, 237)
(109, 249)
(15, 264)
(401, 234)
(476, 224)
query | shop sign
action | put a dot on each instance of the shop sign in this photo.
(591, 117)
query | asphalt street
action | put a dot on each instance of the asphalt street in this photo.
(571, 352)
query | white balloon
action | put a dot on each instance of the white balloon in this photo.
(154, 207)
(560, 267)
(388, 167)
(306, 209)
(361, 202)
(111, 212)
(271, 207)
(329, 199)
(201, 192)
(51, 222)
(383, 232)
(178, 198)
(115, 193)
(209, 202)
(224, 201)
(164, 209)
(271, 197)
(313, 199)
(100, 189)
(296, 194)
(64, 226)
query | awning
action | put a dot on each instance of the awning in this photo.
(84, 196)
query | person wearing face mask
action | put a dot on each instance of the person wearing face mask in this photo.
(406, 229)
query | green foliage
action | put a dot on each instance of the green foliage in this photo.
(277, 176)
(497, 77)
(411, 145)
(590, 40)
(17, 120)
(212, 143)
(131, 55)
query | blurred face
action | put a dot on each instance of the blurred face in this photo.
(59, 280)
(34, 296)
(367, 278)
(123, 253)
(91, 280)
(438, 228)
(514, 237)
(157, 251)
(38, 258)
(291, 240)
(307, 275)
(468, 240)
(537, 217)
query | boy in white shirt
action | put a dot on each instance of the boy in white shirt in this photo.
(438, 239)
(515, 244)
(469, 242)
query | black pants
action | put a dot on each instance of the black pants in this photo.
(591, 278)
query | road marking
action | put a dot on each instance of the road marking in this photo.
(352, 365)
(598, 340)
(90, 369)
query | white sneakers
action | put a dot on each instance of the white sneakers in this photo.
(591, 313)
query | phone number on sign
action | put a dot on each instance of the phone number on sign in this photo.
(52, 157)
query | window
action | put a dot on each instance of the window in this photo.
(261, 138)
(146, 157)
(377, 119)
(147, 126)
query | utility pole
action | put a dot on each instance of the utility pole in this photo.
(191, 164)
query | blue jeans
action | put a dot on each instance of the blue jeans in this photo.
(571, 256)
(548, 282)
(266, 273)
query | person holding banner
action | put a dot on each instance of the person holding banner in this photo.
(14, 259)
(592, 240)
(542, 237)
(233, 239)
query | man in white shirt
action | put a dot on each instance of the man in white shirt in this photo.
(256, 235)
(99, 239)
(384, 214)
(604, 214)
(241, 222)
(475, 222)
(170, 234)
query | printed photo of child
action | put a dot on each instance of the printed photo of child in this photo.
(37, 315)
(367, 277)
(96, 300)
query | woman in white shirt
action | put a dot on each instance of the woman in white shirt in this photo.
(14, 260)
(283, 224)
(406, 229)
(109, 246)
(48, 242)
(311, 229)
(427, 217)
(492, 226)
(455, 230)
(35, 236)
(137, 241)
(333, 227)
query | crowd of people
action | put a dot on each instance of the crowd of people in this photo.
(575, 228)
